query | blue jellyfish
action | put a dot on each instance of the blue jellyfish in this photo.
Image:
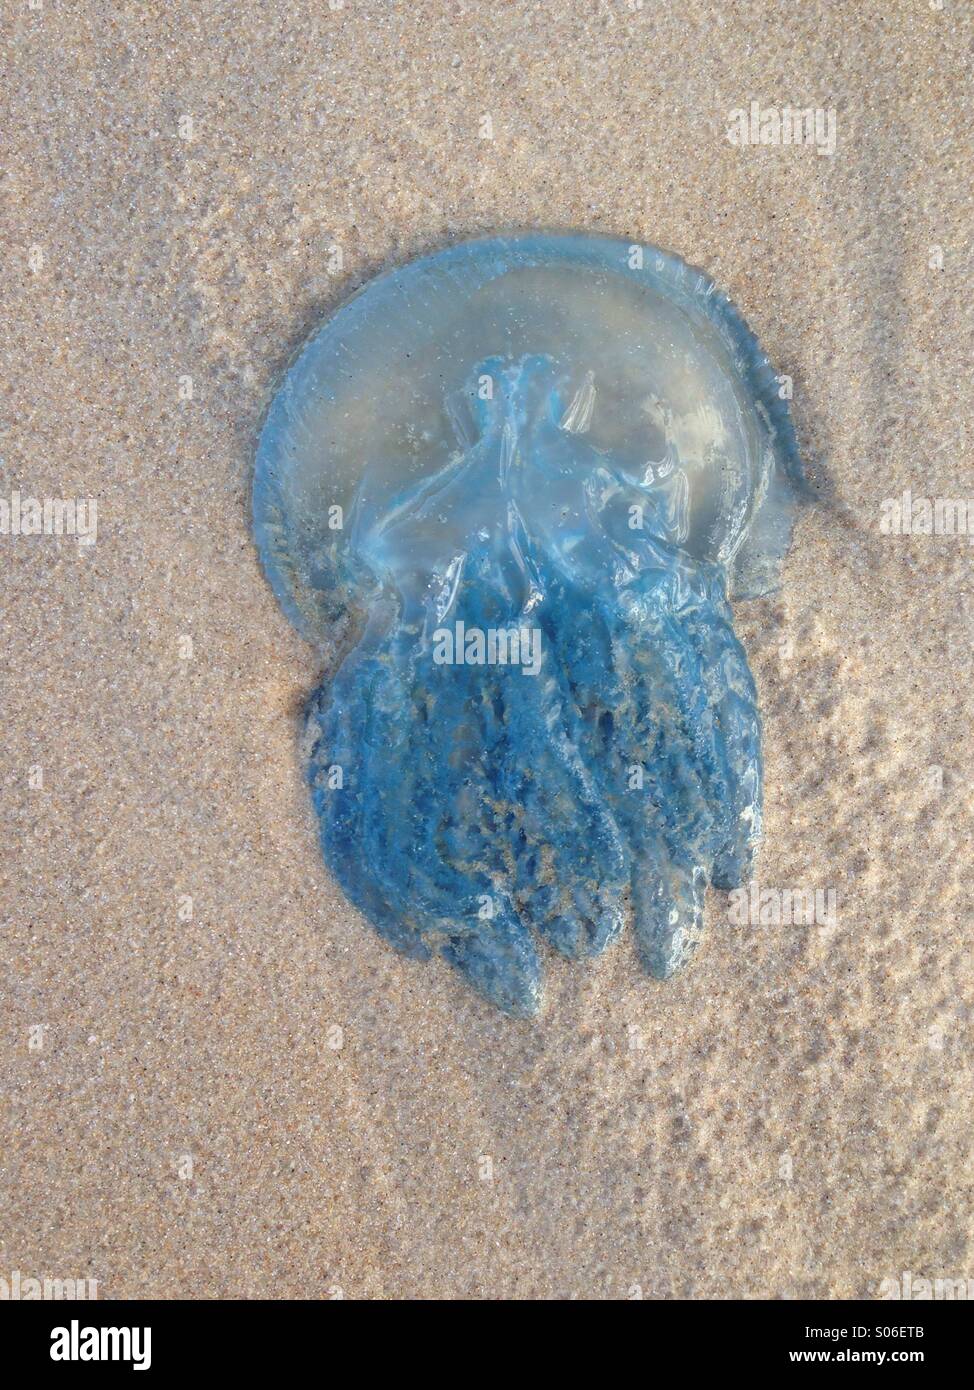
(507, 491)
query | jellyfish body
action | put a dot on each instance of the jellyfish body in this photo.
(540, 725)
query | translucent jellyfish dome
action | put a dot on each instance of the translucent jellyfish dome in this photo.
(674, 384)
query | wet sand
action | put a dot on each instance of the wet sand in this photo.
(249, 1093)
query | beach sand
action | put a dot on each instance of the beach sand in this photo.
(251, 1094)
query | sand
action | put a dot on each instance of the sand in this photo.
(261, 1098)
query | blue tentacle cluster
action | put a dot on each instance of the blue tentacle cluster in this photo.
(547, 726)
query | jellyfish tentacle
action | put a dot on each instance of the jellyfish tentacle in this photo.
(648, 729)
(671, 825)
(716, 696)
(570, 857)
(633, 711)
(586, 843)
(340, 718)
(428, 871)
(454, 856)
(501, 963)
(733, 696)
(667, 901)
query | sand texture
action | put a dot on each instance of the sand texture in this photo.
(252, 1095)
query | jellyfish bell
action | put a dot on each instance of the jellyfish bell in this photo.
(550, 437)
(679, 384)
